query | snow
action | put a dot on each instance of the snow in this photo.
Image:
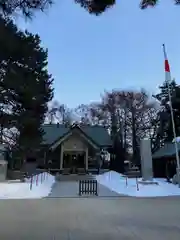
(117, 183)
(177, 139)
(21, 190)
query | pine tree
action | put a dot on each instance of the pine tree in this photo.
(26, 7)
(99, 6)
(165, 121)
(25, 84)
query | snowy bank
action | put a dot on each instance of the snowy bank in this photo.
(117, 183)
(21, 190)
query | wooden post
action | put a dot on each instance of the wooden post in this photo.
(96, 190)
(137, 185)
(80, 188)
(41, 177)
(126, 182)
(86, 160)
(31, 182)
(36, 179)
(61, 157)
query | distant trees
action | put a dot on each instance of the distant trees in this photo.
(84, 114)
(140, 110)
(131, 119)
(59, 113)
(128, 115)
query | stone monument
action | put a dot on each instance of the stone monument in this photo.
(146, 160)
(3, 163)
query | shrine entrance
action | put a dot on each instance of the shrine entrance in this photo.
(74, 161)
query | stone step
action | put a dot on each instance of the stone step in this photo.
(74, 177)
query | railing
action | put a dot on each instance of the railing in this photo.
(89, 187)
(137, 184)
(38, 179)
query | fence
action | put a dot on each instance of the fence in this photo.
(137, 184)
(88, 187)
(39, 178)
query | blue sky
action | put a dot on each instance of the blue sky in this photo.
(120, 49)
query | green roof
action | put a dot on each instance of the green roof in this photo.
(168, 150)
(98, 134)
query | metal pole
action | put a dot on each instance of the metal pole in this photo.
(126, 181)
(137, 185)
(174, 133)
(173, 126)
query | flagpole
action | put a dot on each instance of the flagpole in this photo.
(168, 80)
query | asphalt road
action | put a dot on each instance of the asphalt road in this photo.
(96, 218)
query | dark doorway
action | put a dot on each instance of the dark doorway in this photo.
(66, 160)
(74, 161)
(81, 160)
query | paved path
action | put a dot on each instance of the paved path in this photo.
(70, 189)
(90, 218)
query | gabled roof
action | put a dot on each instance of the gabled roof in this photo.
(97, 134)
(168, 150)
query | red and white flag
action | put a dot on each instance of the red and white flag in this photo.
(166, 66)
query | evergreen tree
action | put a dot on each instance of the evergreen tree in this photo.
(165, 121)
(25, 84)
(99, 6)
(26, 7)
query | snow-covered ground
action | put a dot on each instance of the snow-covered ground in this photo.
(177, 139)
(117, 183)
(21, 190)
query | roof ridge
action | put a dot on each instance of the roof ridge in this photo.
(98, 133)
(88, 125)
(78, 125)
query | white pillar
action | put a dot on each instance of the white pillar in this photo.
(86, 159)
(61, 157)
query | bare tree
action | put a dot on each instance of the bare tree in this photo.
(130, 116)
(59, 113)
(83, 114)
(139, 113)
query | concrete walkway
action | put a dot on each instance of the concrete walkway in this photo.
(90, 218)
(71, 188)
